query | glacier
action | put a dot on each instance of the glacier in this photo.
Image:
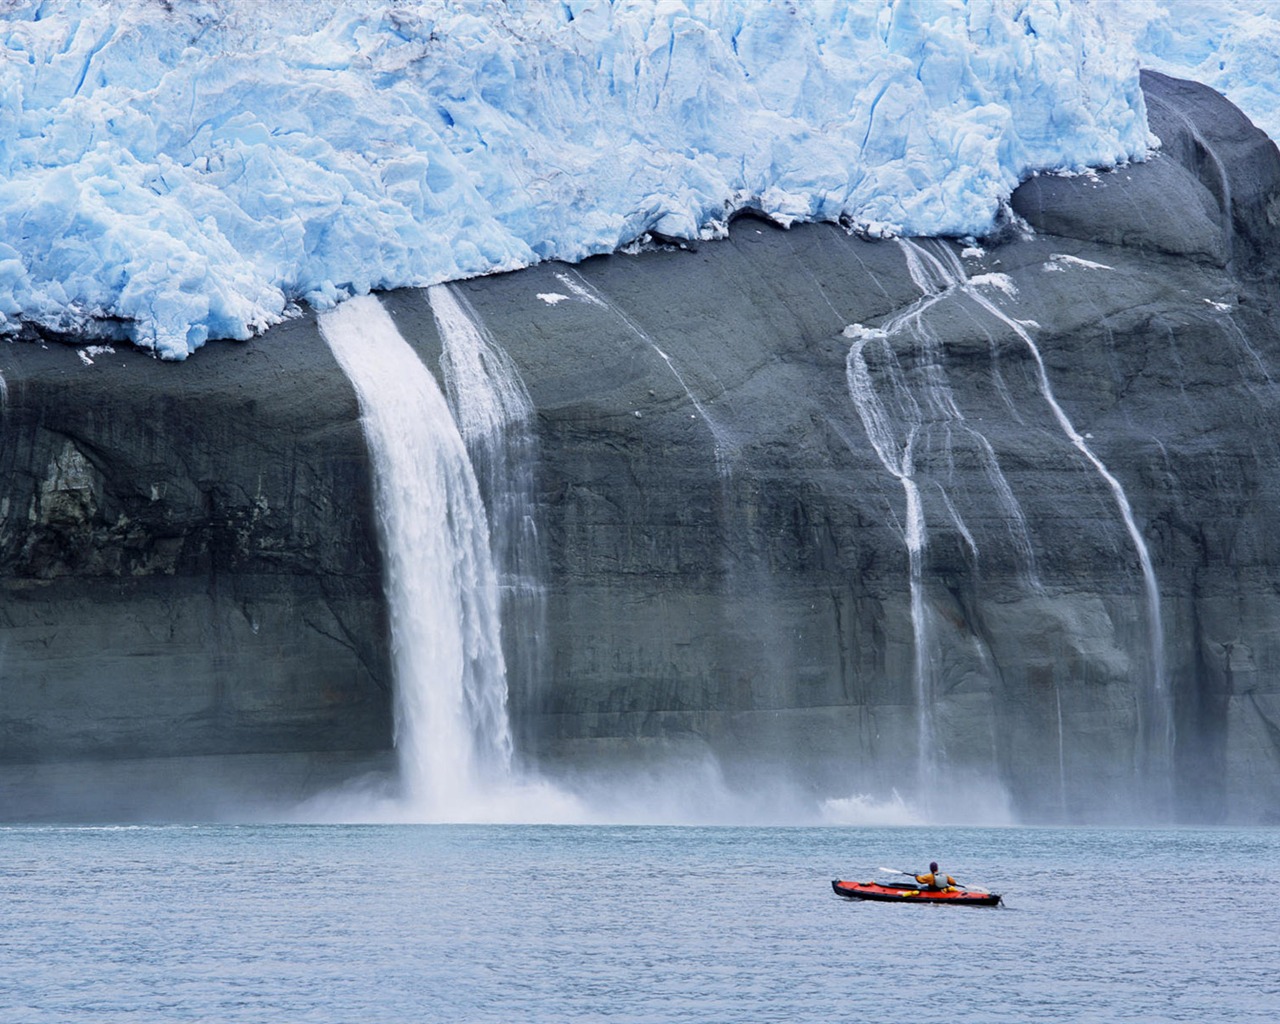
(178, 170)
(1232, 46)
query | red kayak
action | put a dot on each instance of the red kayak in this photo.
(913, 894)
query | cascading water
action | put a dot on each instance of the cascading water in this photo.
(893, 438)
(1156, 730)
(446, 596)
(494, 414)
(899, 426)
(451, 731)
(895, 425)
(485, 392)
(585, 291)
(1062, 749)
(937, 281)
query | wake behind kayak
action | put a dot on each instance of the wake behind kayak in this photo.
(913, 894)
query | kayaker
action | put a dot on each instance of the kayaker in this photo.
(934, 881)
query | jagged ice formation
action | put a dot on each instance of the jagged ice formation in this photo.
(177, 171)
(1231, 45)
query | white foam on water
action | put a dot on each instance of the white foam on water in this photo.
(863, 809)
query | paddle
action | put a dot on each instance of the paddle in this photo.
(909, 874)
(895, 871)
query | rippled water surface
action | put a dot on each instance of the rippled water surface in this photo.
(516, 923)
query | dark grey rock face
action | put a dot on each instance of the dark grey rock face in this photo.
(189, 565)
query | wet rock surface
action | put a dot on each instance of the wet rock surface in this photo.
(189, 558)
(189, 563)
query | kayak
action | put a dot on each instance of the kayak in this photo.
(911, 894)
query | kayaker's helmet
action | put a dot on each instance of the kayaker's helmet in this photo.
(933, 865)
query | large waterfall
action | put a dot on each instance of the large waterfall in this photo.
(451, 727)
(452, 732)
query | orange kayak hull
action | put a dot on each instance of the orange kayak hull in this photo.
(913, 894)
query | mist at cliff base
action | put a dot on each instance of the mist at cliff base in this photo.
(685, 784)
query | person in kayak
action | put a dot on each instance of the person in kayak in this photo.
(934, 881)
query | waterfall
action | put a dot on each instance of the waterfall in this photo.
(1062, 750)
(937, 281)
(583, 290)
(451, 732)
(899, 428)
(898, 416)
(1156, 729)
(495, 417)
(896, 453)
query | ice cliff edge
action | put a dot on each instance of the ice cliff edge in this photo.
(174, 172)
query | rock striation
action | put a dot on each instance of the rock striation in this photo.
(189, 571)
(190, 579)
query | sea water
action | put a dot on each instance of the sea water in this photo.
(394, 924)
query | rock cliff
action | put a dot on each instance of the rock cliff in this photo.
(860, 515)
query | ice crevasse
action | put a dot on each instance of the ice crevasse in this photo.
(176, 171)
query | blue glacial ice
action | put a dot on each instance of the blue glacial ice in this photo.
(174, 172)
(1231, 45)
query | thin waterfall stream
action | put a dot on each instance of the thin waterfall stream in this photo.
(898, 410)
(1156, 727)
(581, 288)
(495, 417)
(896, 453)
(899, 425)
